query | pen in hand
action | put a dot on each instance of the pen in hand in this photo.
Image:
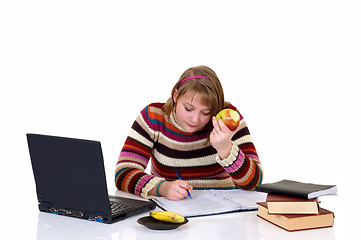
(180, 178)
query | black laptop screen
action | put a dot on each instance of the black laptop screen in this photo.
(69, 173)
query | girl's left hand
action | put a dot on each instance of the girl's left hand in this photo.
(221, 137)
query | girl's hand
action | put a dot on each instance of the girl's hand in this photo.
(221, 137)
(175, 190)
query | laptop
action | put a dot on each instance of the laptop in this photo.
(70, 180)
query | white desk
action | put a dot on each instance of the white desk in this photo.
(242, 225)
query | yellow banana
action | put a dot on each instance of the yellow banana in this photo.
(166, 216)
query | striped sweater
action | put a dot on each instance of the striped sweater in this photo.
(155, 136)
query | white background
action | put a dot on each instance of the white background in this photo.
(85, 69)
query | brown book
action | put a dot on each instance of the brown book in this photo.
(280, 204)
(295, 222)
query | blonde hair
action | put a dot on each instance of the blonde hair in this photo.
(209, 87)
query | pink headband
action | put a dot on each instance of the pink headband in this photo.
(186, 79)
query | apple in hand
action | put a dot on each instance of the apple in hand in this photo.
(230, 117)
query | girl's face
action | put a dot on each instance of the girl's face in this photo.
(190, 113)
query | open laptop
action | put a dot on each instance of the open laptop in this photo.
(70, 180)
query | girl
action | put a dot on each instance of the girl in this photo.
(183, 135)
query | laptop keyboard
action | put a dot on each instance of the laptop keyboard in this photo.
(118, 208)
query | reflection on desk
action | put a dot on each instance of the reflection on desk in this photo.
(269, 231)
(241, 225)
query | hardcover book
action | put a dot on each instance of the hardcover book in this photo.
(295, 222)
(280, 204)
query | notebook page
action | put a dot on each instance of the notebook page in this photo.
(246, 199)
(202, 203)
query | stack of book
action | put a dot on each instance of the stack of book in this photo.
(294, 205)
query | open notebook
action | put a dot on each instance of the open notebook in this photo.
(209, 202)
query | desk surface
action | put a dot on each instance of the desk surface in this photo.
(240, 225)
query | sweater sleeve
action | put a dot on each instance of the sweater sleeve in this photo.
(134, 156)
(243, 163)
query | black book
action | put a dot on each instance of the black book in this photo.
(297, 189)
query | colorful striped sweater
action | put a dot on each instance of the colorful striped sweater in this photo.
(155, 136)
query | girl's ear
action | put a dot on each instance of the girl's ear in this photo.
(175, 96)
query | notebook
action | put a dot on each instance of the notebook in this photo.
(210, 202)
(70, 180)
(297, 189)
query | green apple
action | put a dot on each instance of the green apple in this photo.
(230, 117)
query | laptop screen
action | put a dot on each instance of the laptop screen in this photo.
(69, 173)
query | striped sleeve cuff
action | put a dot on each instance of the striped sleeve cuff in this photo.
(232, 157)
(150, 185)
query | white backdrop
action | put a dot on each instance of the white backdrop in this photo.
(85, 69)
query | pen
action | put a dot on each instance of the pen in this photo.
(180, 178)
